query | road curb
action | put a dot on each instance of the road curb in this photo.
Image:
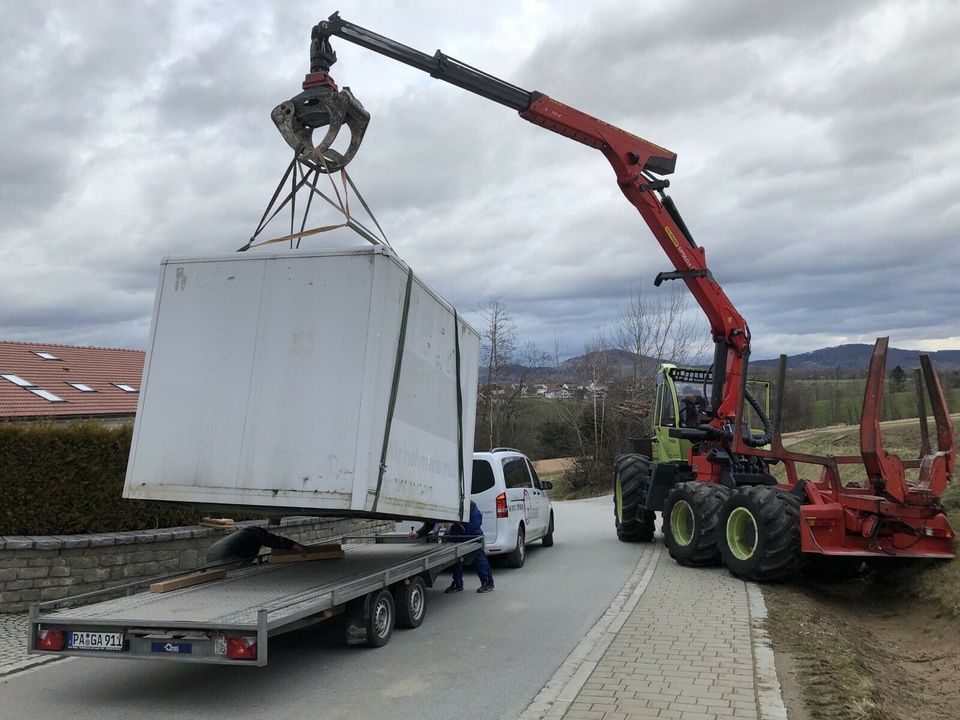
(769, 697)
(553, 701)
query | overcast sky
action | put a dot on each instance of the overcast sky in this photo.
(818, 157)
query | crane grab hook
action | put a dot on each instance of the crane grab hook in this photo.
(321, 104)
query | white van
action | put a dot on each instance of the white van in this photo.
(514, 502)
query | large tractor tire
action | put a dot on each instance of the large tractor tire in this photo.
(759, 533)
(634, 524)
(690, 518)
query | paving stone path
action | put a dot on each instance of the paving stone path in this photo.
(692, 648)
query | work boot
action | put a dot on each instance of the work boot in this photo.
(453, 588)
(486, 587)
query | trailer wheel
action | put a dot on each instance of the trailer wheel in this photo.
(410, 599)
(381, 619)
(548, 538)
(519, 554)
(632, 522)
(759, 535)
(690, 518)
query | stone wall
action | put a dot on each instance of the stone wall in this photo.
(35, 568)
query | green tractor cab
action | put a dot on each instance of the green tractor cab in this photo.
(682, 401)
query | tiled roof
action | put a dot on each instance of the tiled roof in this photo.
(97, 368)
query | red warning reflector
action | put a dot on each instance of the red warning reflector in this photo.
(821, 521)
(242, 648)
(51, 639)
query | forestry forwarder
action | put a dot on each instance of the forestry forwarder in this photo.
(721, 501)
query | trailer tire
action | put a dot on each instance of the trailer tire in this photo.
(381, 619)
(690, 520)
(759, 533)
(633, 523)
(410, 599)
(548, 538)
(516, 558)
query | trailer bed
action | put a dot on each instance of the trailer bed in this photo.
(262, 600)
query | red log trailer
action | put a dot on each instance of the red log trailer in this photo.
(722, 502)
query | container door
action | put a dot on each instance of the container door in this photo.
(483, 493)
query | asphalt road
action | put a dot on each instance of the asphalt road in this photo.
(475, 656)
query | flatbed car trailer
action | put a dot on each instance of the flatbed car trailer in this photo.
(229, 621)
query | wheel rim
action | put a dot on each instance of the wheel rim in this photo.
(521, 546)
(742, 533)
(618, 500)
(682, 523)
(416, 602)
(381, 618)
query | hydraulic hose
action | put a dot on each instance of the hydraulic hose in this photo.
(757, 440)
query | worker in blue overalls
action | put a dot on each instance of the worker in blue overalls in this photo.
(459, 532)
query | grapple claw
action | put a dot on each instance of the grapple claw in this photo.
(317, 107)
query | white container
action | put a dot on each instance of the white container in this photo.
(268, 383)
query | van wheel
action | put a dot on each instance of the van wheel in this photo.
(381, 619)
(548, 538)
(411, 602)
(516, 558)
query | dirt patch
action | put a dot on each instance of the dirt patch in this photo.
(850, 651)
(554, 466)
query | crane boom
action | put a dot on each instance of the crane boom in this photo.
(635, 161)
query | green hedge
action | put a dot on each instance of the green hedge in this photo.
(59, 479)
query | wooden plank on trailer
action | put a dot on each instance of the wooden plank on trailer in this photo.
(316, 552)
(218, 522)
(183, 581)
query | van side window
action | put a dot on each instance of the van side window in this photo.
(515, 473)
(482, 477)
(533, 474)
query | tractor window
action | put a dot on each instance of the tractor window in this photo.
(760, 392)
(667, 416)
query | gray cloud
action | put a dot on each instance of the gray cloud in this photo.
(816, 145)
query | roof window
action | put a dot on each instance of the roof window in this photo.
(30, 387)
(82, 387)
(46, 394)
(44, 355)
(17, 380)
(124, 387)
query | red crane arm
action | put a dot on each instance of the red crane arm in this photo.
(629, 155)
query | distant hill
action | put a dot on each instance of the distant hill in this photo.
(846, 358)
(856, 357)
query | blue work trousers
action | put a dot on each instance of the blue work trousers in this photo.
(479, 564)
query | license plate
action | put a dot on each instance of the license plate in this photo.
(95, 641)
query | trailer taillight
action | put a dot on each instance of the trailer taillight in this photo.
(821, 521)
(51, 639)
(242, 648)
(502, 505)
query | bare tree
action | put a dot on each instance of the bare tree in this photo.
(660, 329)
(497, 350)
